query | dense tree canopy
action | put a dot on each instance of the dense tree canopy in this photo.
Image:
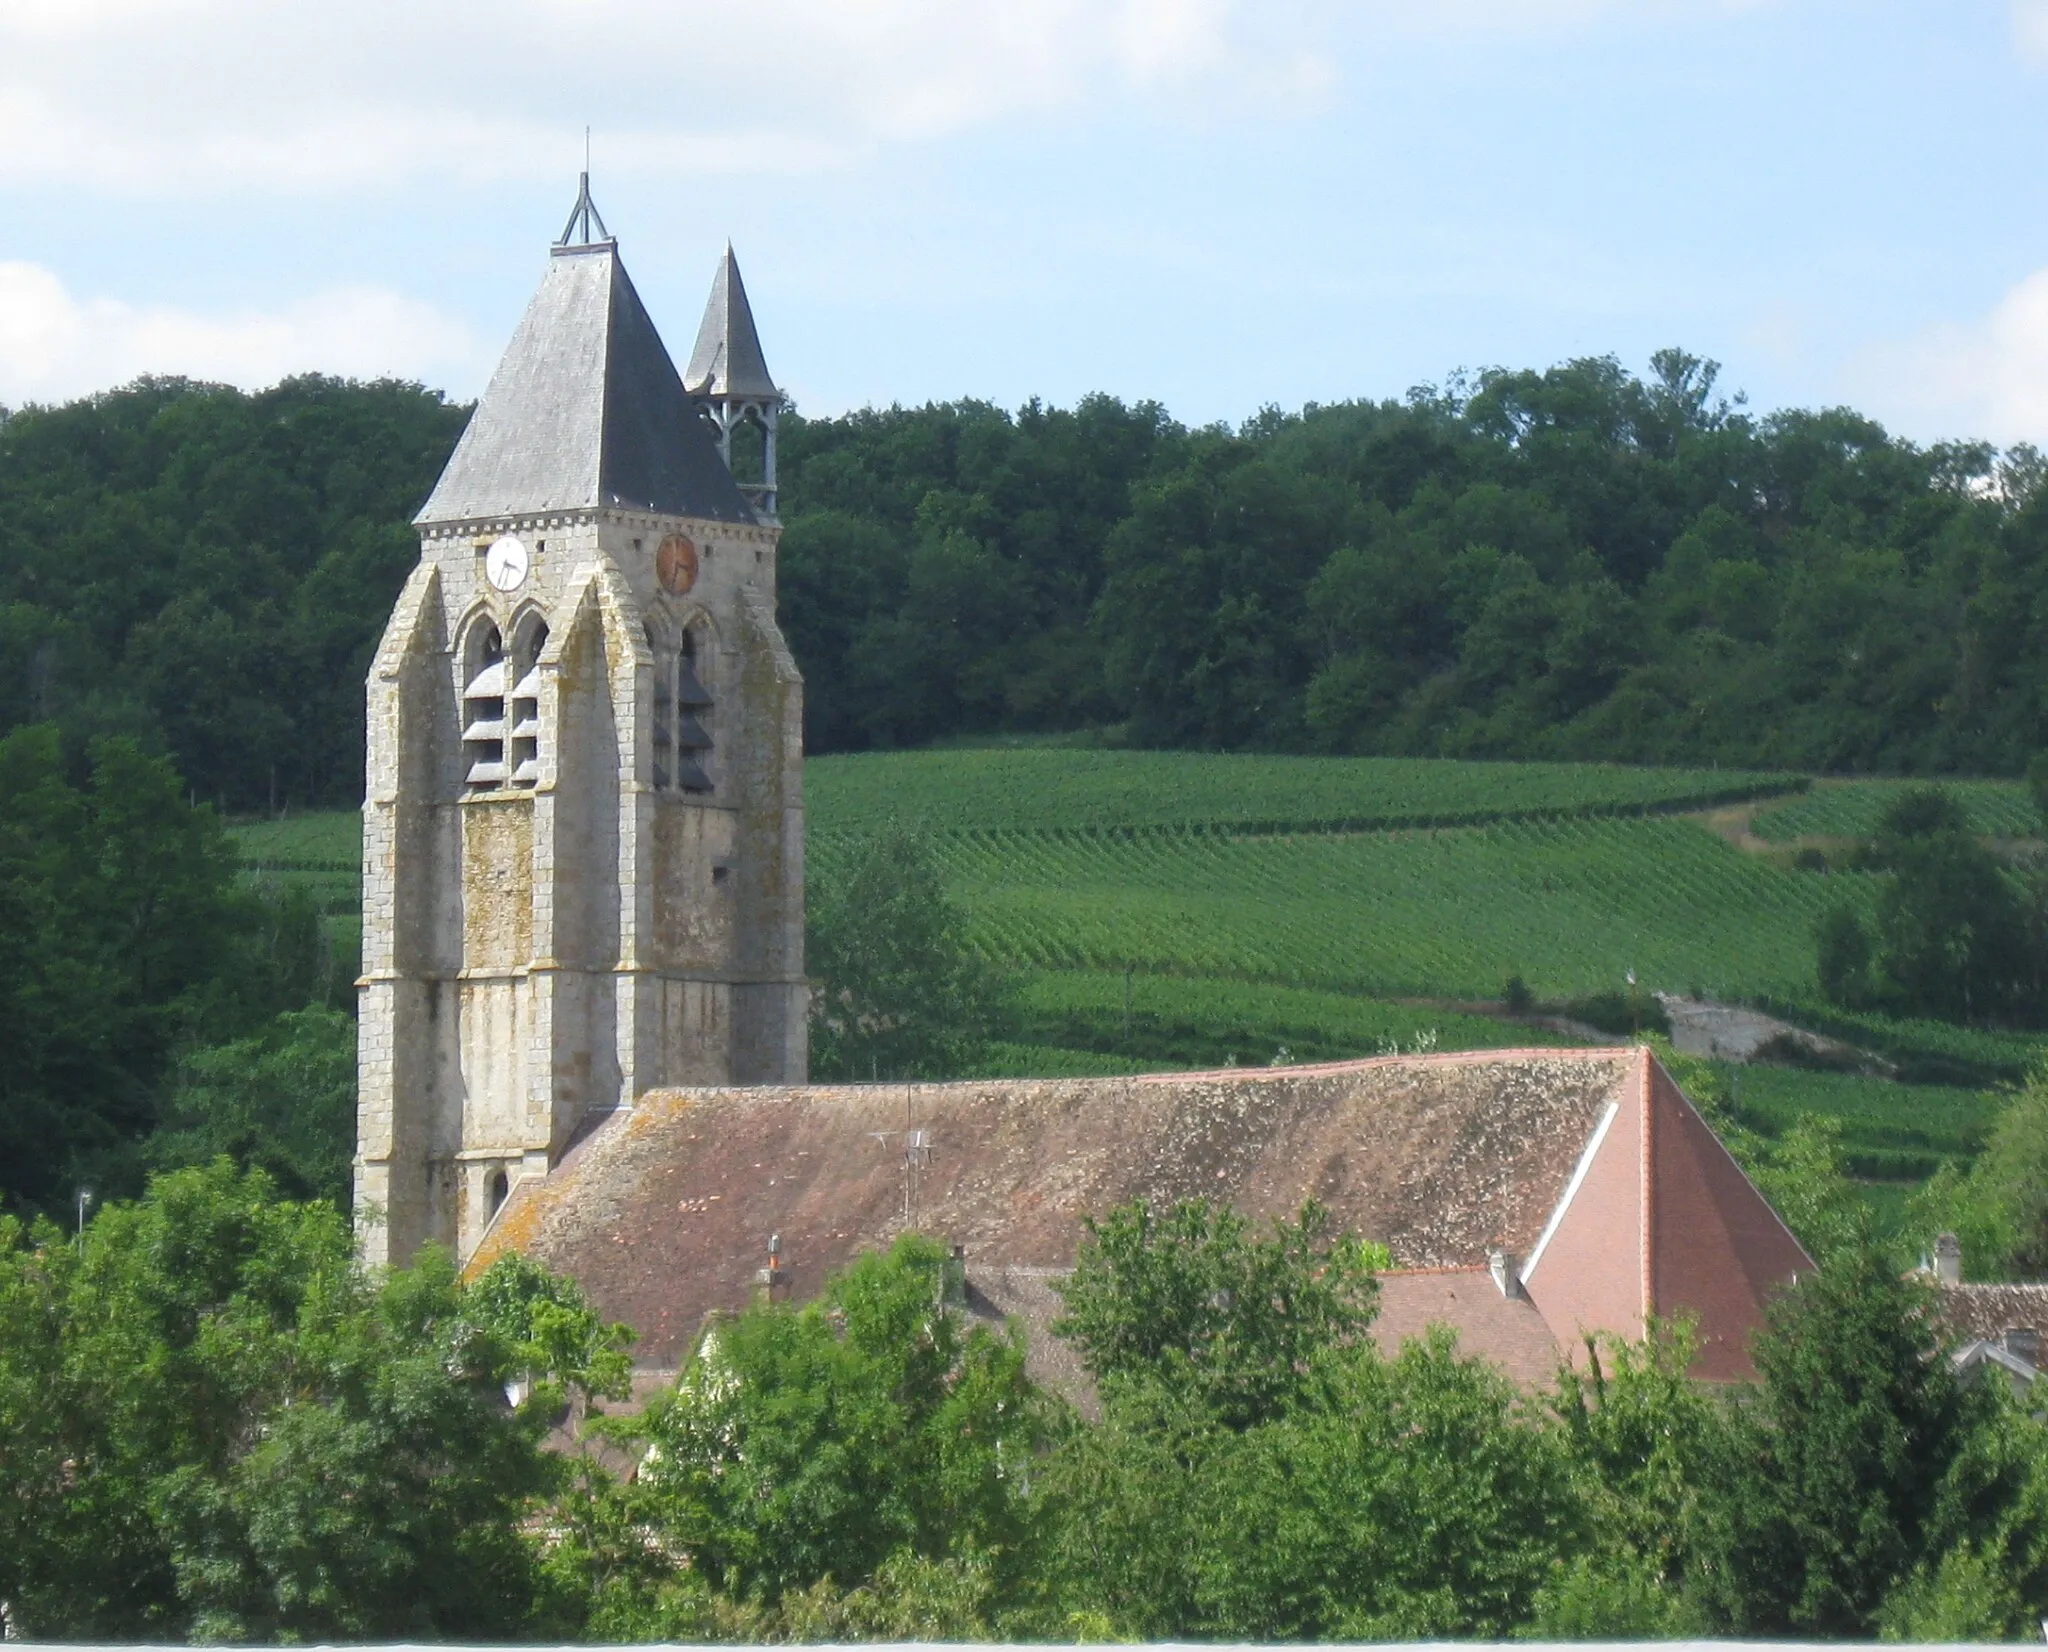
(212, 569)
(126, 941)
(1575, 562)
(216, 1425)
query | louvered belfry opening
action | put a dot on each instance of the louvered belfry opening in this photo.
(682, 718)
(483, 715)
(664, 717)
(524, 711)
(693, 717)
(501, 710)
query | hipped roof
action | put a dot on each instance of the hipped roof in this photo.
(586, 411)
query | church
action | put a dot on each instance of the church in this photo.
(583, 999)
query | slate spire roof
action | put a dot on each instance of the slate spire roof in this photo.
(727, 360)
(586, 409)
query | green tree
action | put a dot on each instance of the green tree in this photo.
(284, 1101)
(814, 1443)
(1262, 1471)
(124, 937)
(213, 1425)
(1842, 957)
(1998, 1208)
(1952, 938)
(1839, 1483)
(1413, 1498)
(900, 993)
(1194, 1303)
(1643, 1440)
(1805, 1176)
(208, 570)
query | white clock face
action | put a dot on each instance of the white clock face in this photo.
(505, 563)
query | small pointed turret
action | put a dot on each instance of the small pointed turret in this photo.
(728, 360)
(729, 373)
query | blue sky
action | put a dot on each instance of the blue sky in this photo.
(1218, 205)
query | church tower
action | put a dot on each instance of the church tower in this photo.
(583, 826)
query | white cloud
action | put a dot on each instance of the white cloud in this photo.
(54, 345)
(1987, 378)
(2030, 25)
(209, 96)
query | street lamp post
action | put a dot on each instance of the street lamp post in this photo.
(84, 1202)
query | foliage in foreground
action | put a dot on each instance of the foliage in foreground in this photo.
(214, 1426)
(1261, 1470)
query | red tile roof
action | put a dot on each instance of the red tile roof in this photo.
(663, 1212)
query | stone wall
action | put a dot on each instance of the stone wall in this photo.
(535, 955)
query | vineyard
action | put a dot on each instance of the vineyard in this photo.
(1193, 1021)
(1571, 906)
(1161, 910)
(1896, 1132)
(1054, 789)
(1848, 809)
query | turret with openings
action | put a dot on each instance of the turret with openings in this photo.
(583, 831)
(728, 370)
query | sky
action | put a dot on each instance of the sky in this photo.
(1217, 205)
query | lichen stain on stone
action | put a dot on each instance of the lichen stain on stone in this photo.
(497, 856)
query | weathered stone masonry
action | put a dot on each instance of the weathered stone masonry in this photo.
(583, 823)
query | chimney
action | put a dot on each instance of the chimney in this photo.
(2024, 1342)
(1948, 1260)
(771, 1284)
(1502, 1267)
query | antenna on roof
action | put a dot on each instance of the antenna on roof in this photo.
(584, 214)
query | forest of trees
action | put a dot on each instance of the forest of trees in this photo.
(1578, 563)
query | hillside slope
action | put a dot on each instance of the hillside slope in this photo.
(1160, 910)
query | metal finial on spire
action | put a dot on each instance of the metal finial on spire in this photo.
(577, 232)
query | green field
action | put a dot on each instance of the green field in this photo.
(1851, 808)
(1894, 1132)
(1167, 910)
(1048, 789)
(1571, 906)
(1180, 1020)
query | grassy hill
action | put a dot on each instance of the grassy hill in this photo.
(1164, 910)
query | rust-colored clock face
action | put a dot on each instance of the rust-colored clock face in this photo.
(675, 564)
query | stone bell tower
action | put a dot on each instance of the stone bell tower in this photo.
(583, 828)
